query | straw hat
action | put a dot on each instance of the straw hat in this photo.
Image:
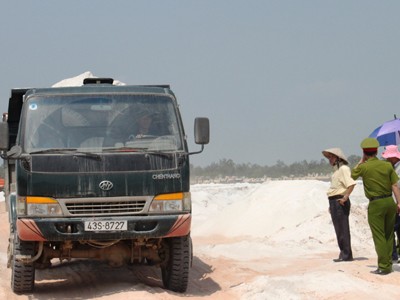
(391, 151)
(335, 151)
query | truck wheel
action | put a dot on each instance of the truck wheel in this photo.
(22, 274)
(175, 274)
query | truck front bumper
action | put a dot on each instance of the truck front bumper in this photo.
(73, 229)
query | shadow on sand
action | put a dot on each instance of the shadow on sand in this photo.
(83, 279)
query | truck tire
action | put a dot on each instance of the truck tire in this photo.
(22, 274)
(175, 274)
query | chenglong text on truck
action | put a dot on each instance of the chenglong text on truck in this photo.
(98, 172)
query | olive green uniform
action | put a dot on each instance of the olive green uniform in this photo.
(378, 177)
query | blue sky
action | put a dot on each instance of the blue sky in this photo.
(279, 80)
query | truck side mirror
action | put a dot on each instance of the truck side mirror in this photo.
(4, 138)
(202, 131)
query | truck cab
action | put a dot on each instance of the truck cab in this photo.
(99, 172)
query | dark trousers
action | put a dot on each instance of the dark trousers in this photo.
(340, 219)
(395, 255)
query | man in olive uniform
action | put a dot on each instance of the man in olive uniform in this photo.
(380, 180)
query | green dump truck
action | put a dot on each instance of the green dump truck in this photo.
(99, 172)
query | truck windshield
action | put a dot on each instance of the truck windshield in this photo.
(101, 123)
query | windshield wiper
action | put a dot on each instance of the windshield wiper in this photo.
(73, 151)
(88, 155)
(142, 150)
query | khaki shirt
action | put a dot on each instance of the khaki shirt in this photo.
(340, 181)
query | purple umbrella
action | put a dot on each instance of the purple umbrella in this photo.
(388, 133)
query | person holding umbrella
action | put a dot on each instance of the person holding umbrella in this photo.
(380, 180)
(392, 155)
(339, 202)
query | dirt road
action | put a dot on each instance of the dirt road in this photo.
(246, 271)
(82, 279)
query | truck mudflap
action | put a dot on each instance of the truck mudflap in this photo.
(73, 229)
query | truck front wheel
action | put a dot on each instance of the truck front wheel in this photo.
(175, 274)
(23, 274)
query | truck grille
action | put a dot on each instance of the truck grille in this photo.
(105, 208)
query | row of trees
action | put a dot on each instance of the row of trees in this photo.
(227, 167)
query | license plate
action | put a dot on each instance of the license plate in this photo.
(106, 225)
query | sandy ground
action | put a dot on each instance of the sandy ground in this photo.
(282, 266)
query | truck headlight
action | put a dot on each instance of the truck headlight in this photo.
(174, 202)
(43, 206)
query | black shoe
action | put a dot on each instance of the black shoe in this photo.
(341, 259)
(380, 272)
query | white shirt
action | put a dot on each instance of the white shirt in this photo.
(397, 169)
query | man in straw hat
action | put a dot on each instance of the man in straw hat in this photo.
(392, 155)
(380, 180)
(339, 202)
